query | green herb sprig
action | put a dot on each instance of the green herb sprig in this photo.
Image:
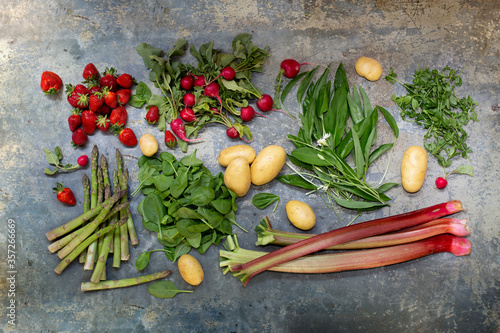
(54, 158)
(431, 102)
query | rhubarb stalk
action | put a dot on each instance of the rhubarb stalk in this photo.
(353, 260)
(343, 235)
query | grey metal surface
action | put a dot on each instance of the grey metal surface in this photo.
(440, 293)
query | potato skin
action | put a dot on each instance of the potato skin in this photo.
(369, 68)
(237, 176)
(228, 154)
(300, 214)
(148, 145)
(413, 168)
(190, 269)
(268, 164)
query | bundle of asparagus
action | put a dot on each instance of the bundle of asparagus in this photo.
(106, 226)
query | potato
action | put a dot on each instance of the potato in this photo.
(413, 168)
(148, 145)
(237, 176)
(190, 269)
(229, 153)
(300, 214)
(369, 68)
(267, 165)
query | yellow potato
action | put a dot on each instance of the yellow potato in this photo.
(237, 176)
(413, 168)
(369, 68)
(229, 153)
(190, 269)
(148, 145)
(300, 214)
(267, 165)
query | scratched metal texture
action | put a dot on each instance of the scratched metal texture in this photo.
(440, 293)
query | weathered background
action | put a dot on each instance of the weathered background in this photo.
(441, 293)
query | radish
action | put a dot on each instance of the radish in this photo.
(82, 160)
(189, 99)
(213, 90)
(441, 183)
(232, 132)
(199, 81)
(214, 110)
(228, 73)
(188, 115)
(247, 113)
(291, 67)
(265, 103)
(178, 128)
(187, 82)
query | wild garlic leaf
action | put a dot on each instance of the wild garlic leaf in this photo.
(262, 200)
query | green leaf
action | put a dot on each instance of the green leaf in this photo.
(359, 205)
(146, 51)
(464, 170)
(290, 85)
(262, 200)
(142, 260)
(202, 196)
(390, 120)
(305, 83)
(165, 289)
(52, 158)
(296, 180)
(223, 206)
(178, 49)
(180, 183)
(153, 208)
(191, 160)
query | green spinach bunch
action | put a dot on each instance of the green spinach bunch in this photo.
(185, 204)
(336, 124)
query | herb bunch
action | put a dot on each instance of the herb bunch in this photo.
(431, 102)
(335, 125)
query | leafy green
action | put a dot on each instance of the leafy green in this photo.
(165, 289)
(262, 200)
(431, 102)
(54, 158)
(185, 204)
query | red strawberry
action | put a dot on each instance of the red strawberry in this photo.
(64, 194)
(153, 115)
(90, 72)
(89, 121)
(110, 98)
(81, 89)
(123, 96)
(78, 96)
(103, 123)
(96, 100)
(170, 139)
(104, 110)
(79, 137)
(109, 79)
(50, 83)
(118, 116)
(72, 95)
(126, 136)
(125, 80)
(74, 121)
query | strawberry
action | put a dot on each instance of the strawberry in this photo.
(50, 83)
(118, 116)
(79, 137)
(109, 79)
(153, 115)
(64, 194)
(89, 121)
(103, 123)
(78, 96)
(81, 89)
(96, 100)
(72, 95)
(74, 121)
(90, 72)
(126, 136)
(170, 139)
(125, 80)
(123, 95)
(104, 110)
(110, 98)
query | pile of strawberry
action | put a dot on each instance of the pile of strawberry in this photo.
(99, 103)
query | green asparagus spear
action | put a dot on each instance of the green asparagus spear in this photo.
(125, 254)
(100, 266)
(82, 247)
(111, 284)
(134, 240)
(86, 207)
(93, 249)
(93, 177)
(116, 232)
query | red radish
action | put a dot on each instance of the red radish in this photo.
(189, 99)
(177, 127)
(247, 113)
(199, 81)
(188, 115)
(441, 183)
(228, 73)
(232, 132)
(291, 67)
(83, 160)
(214, 110)
(187, 82)
(265, 103)
(213, 90)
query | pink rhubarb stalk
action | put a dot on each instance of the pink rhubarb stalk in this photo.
(344, 235)
(360, 259)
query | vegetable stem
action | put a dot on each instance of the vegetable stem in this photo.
(112, 284)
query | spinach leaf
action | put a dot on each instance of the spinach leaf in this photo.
(262, 200)
(165, 289)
